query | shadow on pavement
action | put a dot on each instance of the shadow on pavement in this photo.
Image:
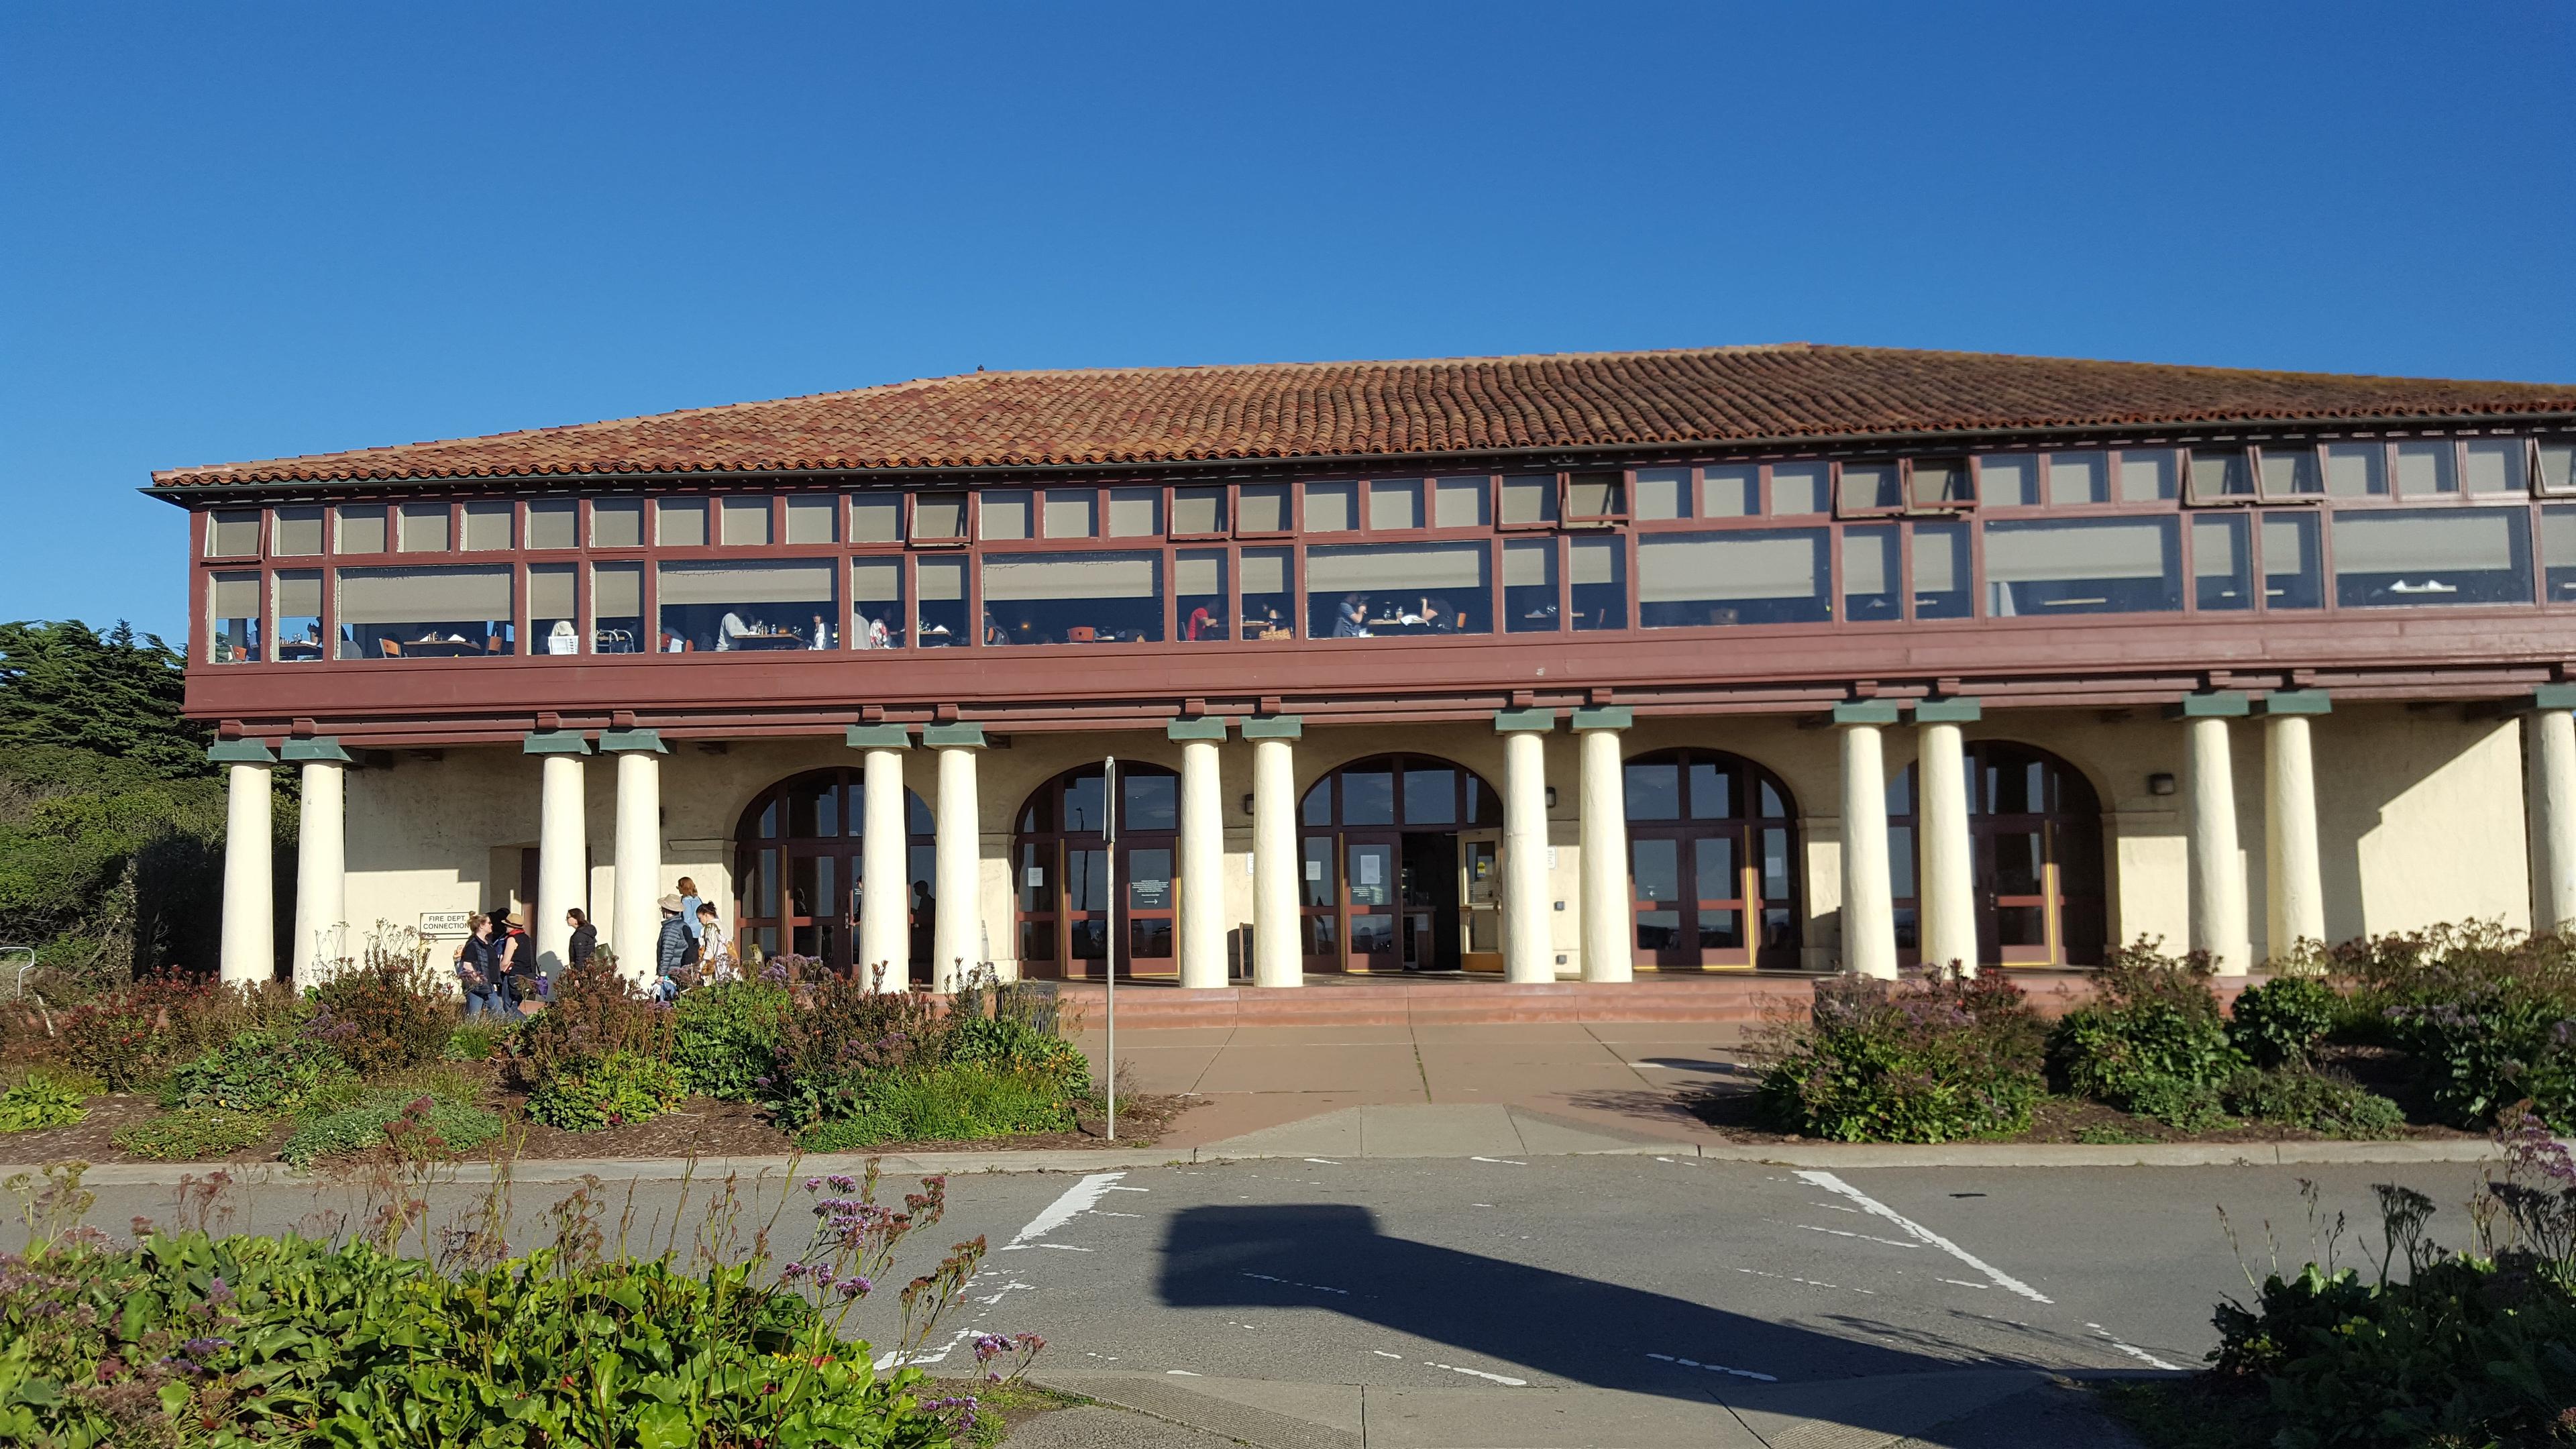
(1583, 1330)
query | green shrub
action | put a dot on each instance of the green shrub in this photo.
(41, 1100)
(727, 1037)
(2280, 1021)
(941, 1104)
(193, 1134)
(257, 1072)
(1936, 1058)
(619, 1087)
(2488, 1014)
(131, 1037)
(388, 1012)
(2327, 1103)
(842, 1039)
(1006, 1044)
(477, 1040)
(360, 1126)
(2152, 1041)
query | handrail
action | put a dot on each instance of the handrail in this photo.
(18, 983)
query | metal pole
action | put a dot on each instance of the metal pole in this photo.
(1109, 837)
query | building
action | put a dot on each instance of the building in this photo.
(1784, 657)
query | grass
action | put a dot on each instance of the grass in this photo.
(2175, 1414)
(1001, 1408)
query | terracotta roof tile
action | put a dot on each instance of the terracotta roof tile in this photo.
(1456, 405)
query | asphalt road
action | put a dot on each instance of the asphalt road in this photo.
(1630, 1273)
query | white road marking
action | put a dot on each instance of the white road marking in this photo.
(1328, 1162)
(1964, 1283)
(1292, 1283)
(1011, 1286)
(1106, 1213)
(1481, 1374)
(1077, 1199)
(1997, 1276)
(1139, 1189)
(1810, 1282)
(1184, 1373)
(1504, 1161)
(1715, 1368)
(1864, 1237)
(2140, 1354)
(1382, 1353)
(896, 1359)
(1060, 1247)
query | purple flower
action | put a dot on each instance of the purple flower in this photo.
(842, 1183)
(219, 1293)
(852, 1287)
(989, 1347)
(792, 1273)
(205, 1347)
(812, 1183)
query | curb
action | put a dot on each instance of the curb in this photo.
(1819, 1155)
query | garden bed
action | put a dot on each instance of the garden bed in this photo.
(1736, 1115)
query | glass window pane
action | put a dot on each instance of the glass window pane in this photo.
(2078, 478)
(876, 603)
(1712, 791)
(2557, 551)
(1268, 605)
(1869, 572)
(425, 613)
(296, 604)
(362, 528)
(1151, 801)
(2422, 559)
(1198, 510)
(423, 527)
(2091, 566)
(1068, 513)
(1654, 790)
(2009, 479)
(233, 534)
(2220, 473)
(2148, 475)
(1371, 590)
(233, 633)
(2496, 465)
(1798, 488)
(1430, 797)
(554, 620)
(2293, 576)
(617, 608)
(940, 608)
(1655, 868)
(293, 531)
(1529, 586)
(1003, 514)
(1368, 797)
(1073, 598)
(1941, 571)
(1596, 495)
(1529, 498)
(1395, 504)
(876, 518)
(2356, 470)
(554, 523)
(1459, 503)
(1663, 493)
(617, 523)
(733, 607)
(2424, 469)
(1135, 512)
(1263, 508)
(1941, 480)
(1331, 507)
(1730, 490)
(2558, 467)
(1600, 576)
(1871, 487)
(745, 522)
(2290, 471)
(2221, 570)
(1749, 576)
(680, 522)
(938, 516)
(1198, 595)
(813, 518)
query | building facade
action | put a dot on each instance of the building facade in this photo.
(1789, 658)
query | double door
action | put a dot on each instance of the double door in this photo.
(1416, 900)
(815, 898)
(1146, 889)
(1711, 898)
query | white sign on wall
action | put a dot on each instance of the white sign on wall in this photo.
(435, 924)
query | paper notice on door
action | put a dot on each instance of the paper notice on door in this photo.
(1314, 870)
(1370, 868)
(1037, 877)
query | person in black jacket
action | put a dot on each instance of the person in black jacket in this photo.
(585, 937)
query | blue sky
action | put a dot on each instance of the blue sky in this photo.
(242, 231)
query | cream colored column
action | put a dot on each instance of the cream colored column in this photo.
(1278, 951)
(2552, 803)
(636, 930)
(957, 886)
(1609, 953)
(2293, 870)
(1529, 948)
(885, 896)
(249, 951)
(321, 861)
(563, 841)
(1869, 909)
(1202, 903)
(2218, 922)
(1948, 882)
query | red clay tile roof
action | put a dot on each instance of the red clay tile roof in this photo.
(1456, 405)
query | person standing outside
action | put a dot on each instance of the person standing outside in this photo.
(585, 937)
(689, 904)
(475, 971)
(715, 954)
(671, 952)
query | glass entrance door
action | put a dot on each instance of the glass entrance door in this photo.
(1370, 867)
(1480, 900)
(1144, 916)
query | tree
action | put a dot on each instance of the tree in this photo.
(118, 696)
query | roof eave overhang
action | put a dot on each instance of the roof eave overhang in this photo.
(1944, 437)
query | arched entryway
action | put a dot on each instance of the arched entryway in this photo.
(2036, 827)
(796, 869)
(1399, 868)
(1712, 862)
(1061, 877)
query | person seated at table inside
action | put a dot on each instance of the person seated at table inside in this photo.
(729, 628)
(822, 638)
(1438, 617)
(1351, 620)
(563, 638)
(1202, 625)
(993, 630)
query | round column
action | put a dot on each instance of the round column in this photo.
(1608, 950)
(1949, 903)
(249, 951)
(1528, 945)
(1278, 953)
(2552, 791)
(563, 854)
(885, 897)
(1202, 903)
(637, 930)
(2293, 870)
(956, 944)
(2217, 872)
(321, 873)
(1869, 910)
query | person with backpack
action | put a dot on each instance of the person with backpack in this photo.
(671, 952)
(514, 961)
